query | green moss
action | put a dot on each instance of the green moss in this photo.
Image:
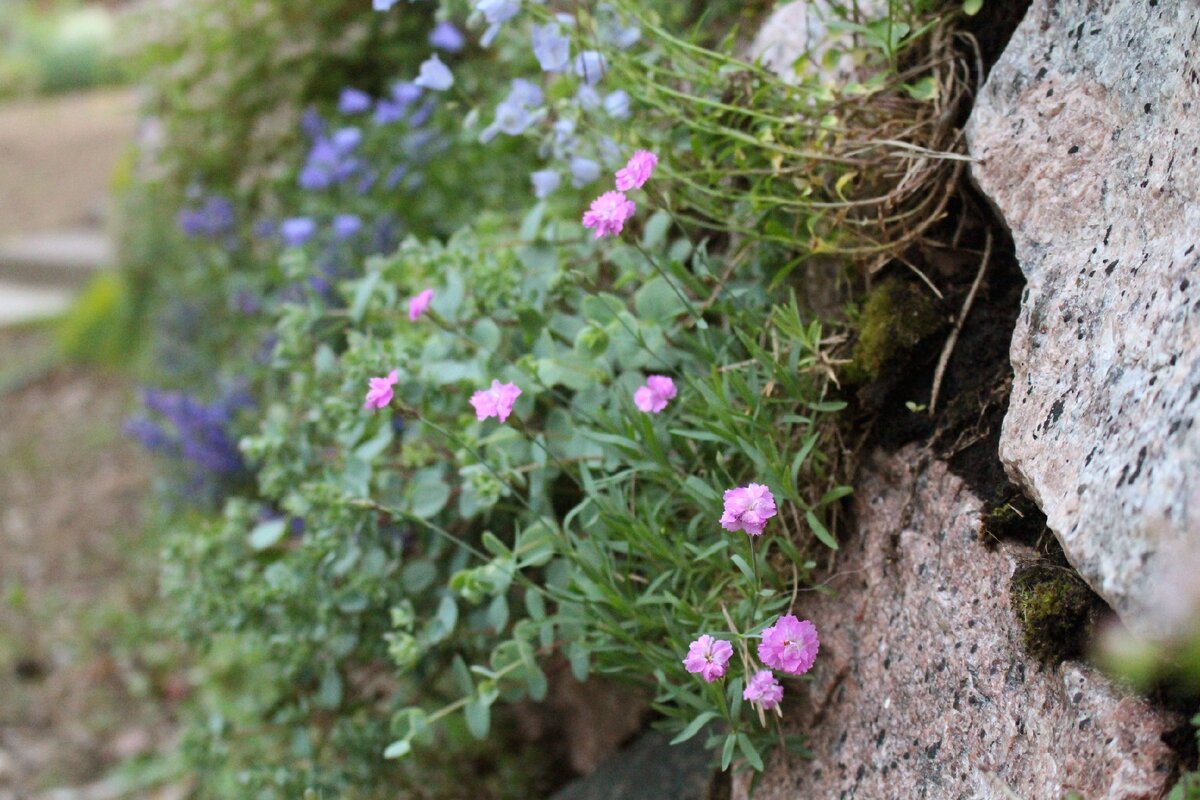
(895, 316)
(1056, 609)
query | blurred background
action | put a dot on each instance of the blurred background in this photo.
(83, 686)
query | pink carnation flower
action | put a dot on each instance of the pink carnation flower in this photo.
(608, 214)
(495, 402)
(763, 689)
(419, 304)
(748, 508)
(380, 394)
(790, 645)
(653, 397)
(639, 169)
(708, 657)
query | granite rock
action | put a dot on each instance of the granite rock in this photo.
(1087, 141)
(922, 688)
(797, 29)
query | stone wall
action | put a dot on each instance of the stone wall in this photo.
(1087, 141)
(923, 688)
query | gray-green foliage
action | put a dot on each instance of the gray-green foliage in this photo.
(469, 552)
(443, 563)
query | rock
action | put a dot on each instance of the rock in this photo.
(795, 30)
(1087, 138)
(588, 721)
(922, 687)
(649, 769)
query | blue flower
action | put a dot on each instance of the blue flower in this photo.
(353, 101)
(394, 177)
(406, 92)
(346, 139)
(445, 36)
(366, 181)
(346, 225)
(616, 105)
(421, 115)
(388, 111)
(383, 5)
(610, 151)
(588, 98)
(311, 123)
(434, 75)
(551, 48)
(213, 219)
(591, 66)
(496, 12)
(544, 181)
(511, 118)
(525, 93)
(314, 178)
(297, 230)
(583, 171)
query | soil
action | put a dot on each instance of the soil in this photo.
(83, 684)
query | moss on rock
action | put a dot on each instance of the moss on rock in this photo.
(895, 316)
(1056, 609)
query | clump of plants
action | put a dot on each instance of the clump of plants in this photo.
(582, 414)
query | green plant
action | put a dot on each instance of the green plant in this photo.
(100, 327)
(394, 580)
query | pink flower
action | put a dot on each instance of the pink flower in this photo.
(608, 213)
(790, 645)
(748, 508)
(639, 169)
(419, 303)
(495, 402)
(652, 398)
(709, 657)
(763, 689)
(380, 394)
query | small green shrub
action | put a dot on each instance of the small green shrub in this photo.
(100, 327)
(66, 50)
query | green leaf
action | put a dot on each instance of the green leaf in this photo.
(479, 718)
(655, 232)
(536, 684)
(580, 658)
(657, 301)
(924, 89)
(972, 7)
(362, 295)
(835, 494)
(497, 613)
(370, 449)
(428, 493)
(442, 624)
(417, 576)
(748, 750)
(741, 564)
(494, 546)
(462, 675)
(727, 752)
(329, 695)
(398, 749)
(820, 530)
(694, 727)
(535, 605)
(267, 534)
